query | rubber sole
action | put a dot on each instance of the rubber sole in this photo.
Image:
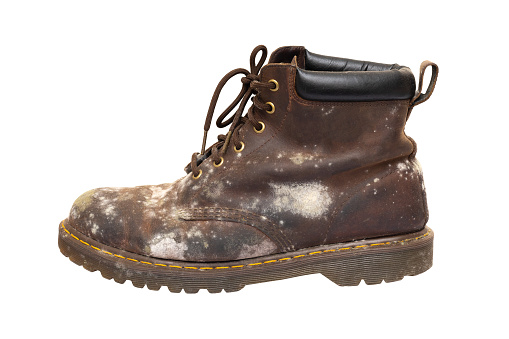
(383, 259)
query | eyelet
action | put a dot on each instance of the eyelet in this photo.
(220, 163)
(276, 83)
(261, 129)
(199, 175)
(240, 149)
(272, 107)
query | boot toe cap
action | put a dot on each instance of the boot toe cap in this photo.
(144, 220)
(94, 216)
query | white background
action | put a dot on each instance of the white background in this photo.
(115, 93)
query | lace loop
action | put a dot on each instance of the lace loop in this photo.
(251, 85)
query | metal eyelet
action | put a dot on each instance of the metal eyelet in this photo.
(240, 149)
(261, 129)
(199, 175)
(220, 162)
(272, 107)
(276, 83)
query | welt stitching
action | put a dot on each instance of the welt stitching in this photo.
(239, 266)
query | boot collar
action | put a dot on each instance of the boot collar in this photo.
(325, 78)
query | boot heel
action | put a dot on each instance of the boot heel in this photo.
(387, 264)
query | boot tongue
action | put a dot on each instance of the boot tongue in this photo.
(201, 158)
(288, 54)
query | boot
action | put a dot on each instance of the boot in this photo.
(318, 176)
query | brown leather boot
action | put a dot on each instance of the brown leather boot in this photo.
(317, 177)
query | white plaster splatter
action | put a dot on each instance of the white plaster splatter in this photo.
(402, 166)
(252, 251)
(167, 247)
(214, 191)
(300, 158)
(311, 200)
(74, 213)
(194, 232)
(110, 211)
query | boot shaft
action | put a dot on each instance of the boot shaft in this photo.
(343, 168)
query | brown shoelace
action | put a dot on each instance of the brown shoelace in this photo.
(251, 85)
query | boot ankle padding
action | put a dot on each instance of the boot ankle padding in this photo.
(325, 78)
(337, 79)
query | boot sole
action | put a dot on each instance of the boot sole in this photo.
(346, 264)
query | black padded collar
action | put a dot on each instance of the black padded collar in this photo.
(317, 62)
(336, 79)
(324, 78)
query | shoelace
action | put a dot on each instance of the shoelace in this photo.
(251, 85)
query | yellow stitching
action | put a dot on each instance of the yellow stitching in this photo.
(238, 266)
